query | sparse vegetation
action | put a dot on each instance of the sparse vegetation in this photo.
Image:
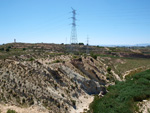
(133, 63)
(121, 65)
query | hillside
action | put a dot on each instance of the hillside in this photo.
(50, 78)
(53, 82)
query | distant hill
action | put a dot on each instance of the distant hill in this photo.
(146, 44)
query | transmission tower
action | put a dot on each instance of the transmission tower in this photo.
(73, 37)
(87, 48)
(14, 40)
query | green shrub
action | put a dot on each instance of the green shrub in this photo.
(109, 70)
(76, 53)
(73, 102)
(24, 49)
(11, 111)
(23, 100)
(81, 43)
(57, 61)
(62, 95)
(122, 97)
(74, 56)
(9, 47)
(94, 55)
(31, 59)
(1, 49)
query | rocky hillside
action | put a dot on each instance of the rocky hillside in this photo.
(48, 78)
(54, 83)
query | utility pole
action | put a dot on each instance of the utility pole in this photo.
(73, 38)
(87, 48)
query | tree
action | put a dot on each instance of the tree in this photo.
(1, 49)
(81, 43)
(7, 50)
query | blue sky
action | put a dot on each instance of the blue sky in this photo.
(106, 22)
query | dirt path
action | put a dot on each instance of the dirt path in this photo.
(82, 104)
(139, 69)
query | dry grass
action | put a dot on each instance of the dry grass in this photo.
(132, 64)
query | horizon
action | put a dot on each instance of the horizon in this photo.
(104, 45)
(106, 22)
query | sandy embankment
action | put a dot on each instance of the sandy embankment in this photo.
(32, 109)
(83, 103)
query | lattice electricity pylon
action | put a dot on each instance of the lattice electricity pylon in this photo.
(73, 37)
(87, 48)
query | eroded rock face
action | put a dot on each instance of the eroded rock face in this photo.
(56, 85)
(91, 87)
